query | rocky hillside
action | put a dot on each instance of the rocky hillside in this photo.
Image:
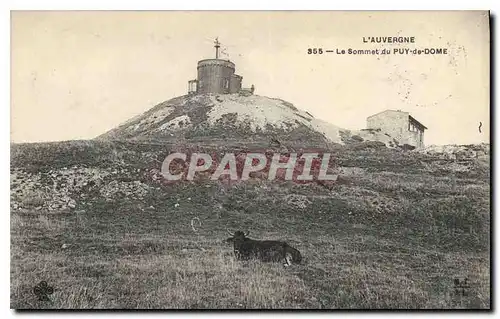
(234, 116)
(94, 220)
(67, 175)
(458, 152)
(97, 221)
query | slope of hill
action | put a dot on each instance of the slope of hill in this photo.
(94, 220)
(209, 116)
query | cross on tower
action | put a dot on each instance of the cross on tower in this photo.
(217, 46)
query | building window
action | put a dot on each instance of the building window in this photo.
(226, 83)
(192, 86)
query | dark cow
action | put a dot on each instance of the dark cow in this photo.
(264, 250)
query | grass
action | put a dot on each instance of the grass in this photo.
(393, 235)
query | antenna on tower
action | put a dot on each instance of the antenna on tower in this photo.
(217, 46)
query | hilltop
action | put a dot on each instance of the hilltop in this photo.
(245, 118)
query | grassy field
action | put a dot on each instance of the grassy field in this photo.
(395, 231)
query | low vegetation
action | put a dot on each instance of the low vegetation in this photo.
(397, 230)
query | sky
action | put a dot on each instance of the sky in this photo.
(78, 74)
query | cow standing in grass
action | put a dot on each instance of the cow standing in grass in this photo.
(264, 250)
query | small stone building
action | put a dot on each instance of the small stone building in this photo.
(217, 76)
(399, 125)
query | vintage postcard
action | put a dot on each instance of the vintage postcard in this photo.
(316, 160)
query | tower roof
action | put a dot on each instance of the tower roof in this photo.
(207, 62)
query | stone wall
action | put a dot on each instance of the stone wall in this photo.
(395, 123)
(235, 84)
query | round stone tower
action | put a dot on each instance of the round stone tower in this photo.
(215, 75)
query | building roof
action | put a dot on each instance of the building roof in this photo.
(386, 111)
(226, 63)
(418, 123)
(411, 117)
